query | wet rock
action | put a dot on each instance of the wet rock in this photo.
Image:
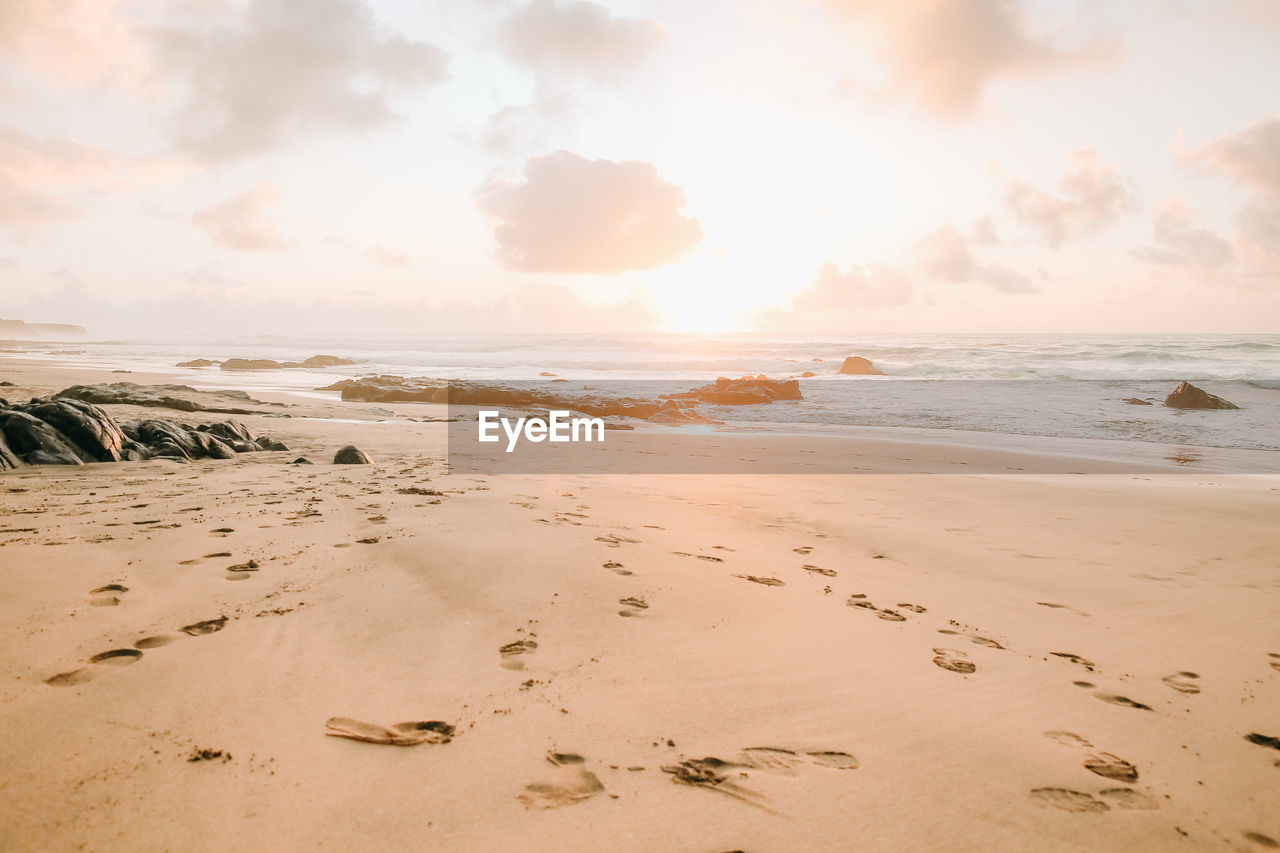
(326, 361)
(351, 455)
(857, 365)
(229, 429)
(1188, 396)
(88, 427)
(131, 394)
(250, 364)
(36, 443)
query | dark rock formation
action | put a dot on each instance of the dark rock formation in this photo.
(35, 442)
(156, 396)
(72, 432)
(351, 455)
(672, 408)
(198, 362)
(88, 427)
(1188, 396)
(857, 365)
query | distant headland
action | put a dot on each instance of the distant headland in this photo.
(21, 330)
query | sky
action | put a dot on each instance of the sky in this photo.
(298, 167)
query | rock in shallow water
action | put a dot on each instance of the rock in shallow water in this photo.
(351, 455)
(1188, 396)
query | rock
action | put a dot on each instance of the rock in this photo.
(807, 374)
(395, 389)
(857, 365)
(1134, 401)
(271, 444)
(230, 429)
(326, 361)
(546, 373)
(36, 442)
(302, 460)
(6, 384)
(130, 394)
(8, 459)
(250, 364)
(1188, 396)
(90, 428)
(747, 391)
(351, 455)
(198, 362)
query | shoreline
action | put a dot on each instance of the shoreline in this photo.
(936, 450)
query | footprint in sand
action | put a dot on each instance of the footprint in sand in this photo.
(1275, 660)
(712, 774)
(397, 734)
(1127, 798)
(208, 626)
(914, 608)
(115, 657)
(1068, 739)
(760, 580)
(817, 570)
(1179, 681)
(699, 556)
(616, 568)
(70, 679)
(1261, 840)
(953, 661)
(107, 596)
(1110, 766)
(633, 606)
(780, 758)
(1123, 701)
(1074, 658)
(512, 652)
(1263, 740)
(1069, 801)
(157, 641)
(803, 549)
(572, 783)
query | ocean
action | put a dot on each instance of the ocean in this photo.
(1066, 386)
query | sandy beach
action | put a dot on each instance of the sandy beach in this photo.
(685, 663)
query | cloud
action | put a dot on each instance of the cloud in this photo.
(940, 55)
(578, 38)
(859, 287)
(284, 68)
(573, 215)
(1259, 221)
(1090, 195)
(1250, 157)
(78, 42)
(1181, 244)
(389, 257)
(944, 256)
(239, 224)
(36, 171)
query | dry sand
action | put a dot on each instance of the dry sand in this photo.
(1021, 630)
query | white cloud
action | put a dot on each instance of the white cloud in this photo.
(574, 215)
